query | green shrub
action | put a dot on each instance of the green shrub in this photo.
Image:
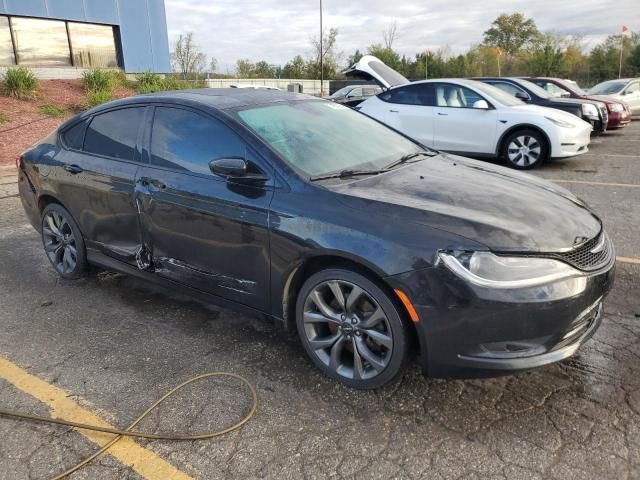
(19, 82)
(97, 79)
(98, 97)
(53, 110)
(119, 79)
(3, 118)
(149, 82)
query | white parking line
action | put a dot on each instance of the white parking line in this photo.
(632, 260)
(610, 155)
(602, 184)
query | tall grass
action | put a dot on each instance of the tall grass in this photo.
(149, 82)
(97, 79)
(19, 82)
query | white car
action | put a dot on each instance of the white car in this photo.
(625, 90)
(471, 118)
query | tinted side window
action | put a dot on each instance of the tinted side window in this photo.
(114, 133)
(421, 94)
(185, 140)
(633, 88)
(450, 95)
(507, 87)
(74, 136)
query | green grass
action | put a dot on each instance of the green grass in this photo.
(53, 110)
(97, 79)
(19, 82)
(3, 118)
(98, 97)
(152, 82)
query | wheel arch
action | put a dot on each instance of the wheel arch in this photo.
(521, 126)
(324, 261)
(45, 199)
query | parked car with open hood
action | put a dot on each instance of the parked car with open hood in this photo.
(315, 215)
(591, 111)
(625, 90)
(472, 118)
(619, 112)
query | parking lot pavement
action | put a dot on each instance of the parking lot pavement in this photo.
(115, 345)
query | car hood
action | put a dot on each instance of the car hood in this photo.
(502, 209)
(372, 68)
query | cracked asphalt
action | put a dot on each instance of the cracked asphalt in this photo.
(116, 345)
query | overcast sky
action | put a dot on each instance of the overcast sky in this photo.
(277, 30)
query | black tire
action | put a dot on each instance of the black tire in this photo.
(370, 354)
(63, 242)
(525, 149)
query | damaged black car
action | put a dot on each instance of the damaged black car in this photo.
(369, 245)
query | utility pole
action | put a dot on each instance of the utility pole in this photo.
(426, 65)
(621, 50)
(321, 55)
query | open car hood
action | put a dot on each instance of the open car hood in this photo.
(372, 68)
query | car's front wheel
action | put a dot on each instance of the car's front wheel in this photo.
(63, 242)
(351, 328)
(525, 149)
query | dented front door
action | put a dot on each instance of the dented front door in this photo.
(200, 229)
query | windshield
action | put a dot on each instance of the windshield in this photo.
(538, 91)
(500, 96)
(571, 86)
(607, 88)
(319, 137)
(342, 92)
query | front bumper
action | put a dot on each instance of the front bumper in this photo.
(618, 120)
(466, 331)
(572, 141)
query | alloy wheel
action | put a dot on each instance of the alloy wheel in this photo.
(524, 150)
(59, 242)
(347, 330)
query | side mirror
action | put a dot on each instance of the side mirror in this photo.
(481, 104)
(522, 96)
(235, 168)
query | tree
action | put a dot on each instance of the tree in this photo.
(263, 70)
(355, 58)
(545, 59)
(511, 33)
(389, 35)
(295, 68)
(330, 55)
(213, 64)
(244, 68)
(187, 56)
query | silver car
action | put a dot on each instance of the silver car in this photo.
(625, 90)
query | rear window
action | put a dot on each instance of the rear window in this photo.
(74, 136)
(114, 134)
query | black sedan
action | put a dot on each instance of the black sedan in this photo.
(308, 212)
(589, 110)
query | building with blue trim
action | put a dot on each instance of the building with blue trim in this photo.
(129, 34)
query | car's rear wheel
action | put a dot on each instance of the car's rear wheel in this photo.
(63, 242)
(525, 149)
(351, 328)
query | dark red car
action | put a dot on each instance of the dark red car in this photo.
(619, 113)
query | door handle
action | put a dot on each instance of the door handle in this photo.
(443, 114)
(393, 111)
(152, 182)
(73, 169)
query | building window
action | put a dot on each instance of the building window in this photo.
(92, 45)
(41, 42)
(6, 46)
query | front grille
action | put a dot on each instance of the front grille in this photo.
(589, 256)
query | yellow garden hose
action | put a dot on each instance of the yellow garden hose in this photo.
(129, 433)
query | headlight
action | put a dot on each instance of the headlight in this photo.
(615, 107)
(589, 109)
(492, 271)
(560, 123)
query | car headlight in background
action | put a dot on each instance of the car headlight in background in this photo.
(560, 123)
(589, 109)
(492, 271)
(615, 107)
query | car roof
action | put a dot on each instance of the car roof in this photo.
(460, 81)
(219, 98)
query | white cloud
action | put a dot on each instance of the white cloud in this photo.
(276, 30)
